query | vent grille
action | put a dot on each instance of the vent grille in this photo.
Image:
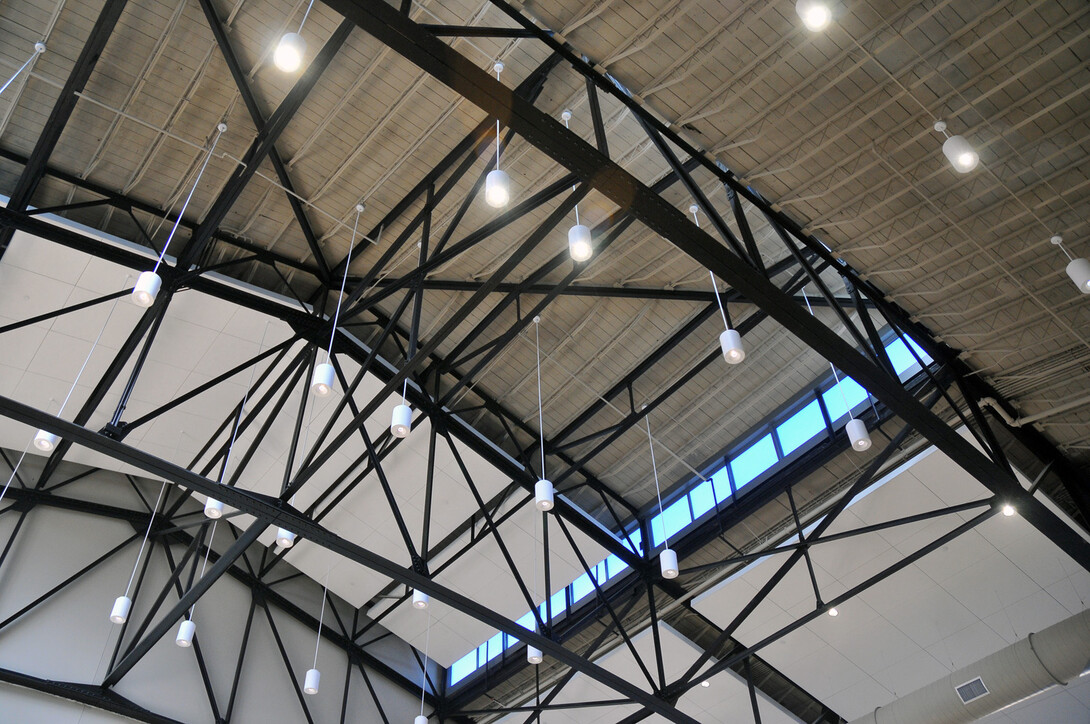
(972, 690)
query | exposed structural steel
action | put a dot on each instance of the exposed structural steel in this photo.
(436, 380)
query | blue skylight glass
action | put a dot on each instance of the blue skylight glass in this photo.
(702, 498)
(757, 458)
(834, 397)
(800, 428)
(674, 518)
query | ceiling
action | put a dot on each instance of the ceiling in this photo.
(833, 129)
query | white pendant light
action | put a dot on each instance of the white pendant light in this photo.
(120, 612)
(816, 15)
(668, 563)
(420, 719)
(311, 681)
(958, 151)
(833, 612)
(39, 48)
(321, 382)
(290, 52)
(543, 489)
(292, 49)
(667, 558)
(1008, 510)
(420, 599)
(1078, 270)
(730, 340)
(856, 429)
(149, 282)
(284, 538)
(213, 508)
(189, 626)
(858, 435)
(401, 421)
(47, 441)
(580, 246)
(185, 633)
(580, 243)
(544, 495)
(534, 655)
(497, 184)
(122, 604)
(313, 676)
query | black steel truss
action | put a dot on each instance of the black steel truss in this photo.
(435, 380)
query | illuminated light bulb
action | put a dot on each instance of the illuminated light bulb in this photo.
(497, 188)
(815, 15)
(289, 52)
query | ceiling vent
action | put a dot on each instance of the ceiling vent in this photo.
(971, 690)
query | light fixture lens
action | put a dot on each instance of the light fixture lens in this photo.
(1079, 271)
(146, 289)
(1008, 510)
(815, 15)
(420, 599)
(284, 538)
(705, 683)
(497, 188)
(960, 154)
(579, 243)
(311, 681)
(185, 634)
(833, 612)
(668, 563)
(420, 719)
(289, 52)
(533, 655)
(321, 382)
(213, 508)
(120, 611)
(731, 343)
(858, 435)
(45, 441)
(544, 495)
(401, 421)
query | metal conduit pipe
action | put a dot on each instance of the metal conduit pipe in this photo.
(1052, 657)
(1020, 421)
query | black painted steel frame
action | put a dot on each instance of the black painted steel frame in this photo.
(435, 381)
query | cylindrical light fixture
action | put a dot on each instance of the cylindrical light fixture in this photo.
(290, 52)
(668, 563)
(420, 719)
(816, 15)
(1008, 510)
(185, 633)
(213, 508)
(958, 151)
(497, 188)
(149, 282)
(284, 538)
(420, 599)
(858, 435)
(730, 341)
(534, 655)
(580, 246)
(544, 495)
(311, 681)
(120, 611)
(401, 421)
(833, 612)
(146, 289)
(321, 382)
(1078, 270)
(45, 441)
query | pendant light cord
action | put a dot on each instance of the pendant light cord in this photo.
(540, 412)
(424, 668)
(39, 48)
(715, 288)
(88, 358)
(147, 533)
(566, 115)
(655, 471)
(321, 616)
(843, 395)
(305, 15)
(208, 157)
(207, 553)
(15, 470)
(344, 281)
(498, 67)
